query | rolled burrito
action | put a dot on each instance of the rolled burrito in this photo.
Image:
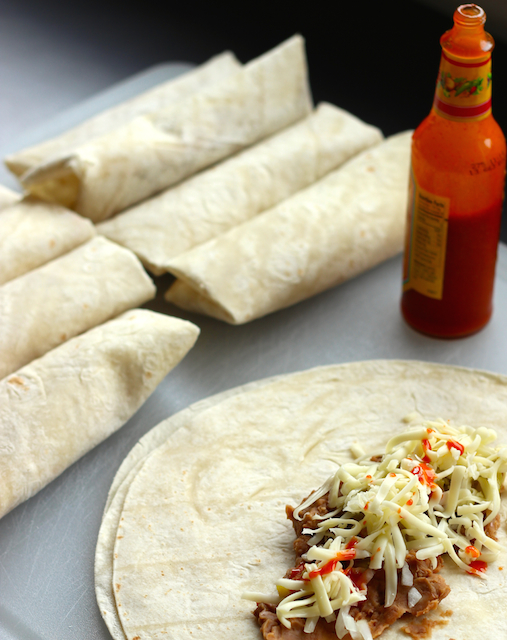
(67, 296)
(342, 225)
(239, 188)
(33, 232)
(62, 405)
(157, 98)
(8, 197)
(157, 150)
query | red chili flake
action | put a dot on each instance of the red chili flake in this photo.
(410, 502)
(429, 430)
(346, 554)
(427, 447)
(369, 477)
(392, 475)
(426, 474)
(477, 566)
(366, 506)
(472, 551)
(351, 543)
(452, 444)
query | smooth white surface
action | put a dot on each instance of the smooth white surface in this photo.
(47, 544)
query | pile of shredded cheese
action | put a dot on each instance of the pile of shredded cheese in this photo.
(435, 489)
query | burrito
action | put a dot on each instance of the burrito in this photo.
(8, 197)
(342, 225)
(239, 188)
(154, 99)
(33, 232)
(154, 151)
(69, 295)
(63, 404)
(204, 525)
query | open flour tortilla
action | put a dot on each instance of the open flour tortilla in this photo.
(346, 223)
(154, 99)
(8, 197)
(156, 150)
(69, 295)
(60, 406)
(119, 488)
(33, 232)
(203, 516)
(239, 188)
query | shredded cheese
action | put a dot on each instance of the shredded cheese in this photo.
(434, 490)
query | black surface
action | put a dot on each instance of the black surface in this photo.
(377, 59)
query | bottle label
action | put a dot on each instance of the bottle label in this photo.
(425, 242)
(463, 89)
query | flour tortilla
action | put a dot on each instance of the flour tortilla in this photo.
(157, 150)
(119, 488)
(8, 197)
(346, 223)
(237, 189)
(60, 406)
(69, 295)
(154, 99)
(203, 519)
(33, 232)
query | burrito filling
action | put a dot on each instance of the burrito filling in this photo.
(369, 543)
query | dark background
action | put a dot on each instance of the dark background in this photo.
(377, 59)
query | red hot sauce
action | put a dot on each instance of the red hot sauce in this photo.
(456, 191)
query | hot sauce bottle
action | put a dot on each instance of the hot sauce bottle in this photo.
(456, 190)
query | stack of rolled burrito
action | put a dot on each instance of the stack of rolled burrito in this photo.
(228, 179)
(76, 360)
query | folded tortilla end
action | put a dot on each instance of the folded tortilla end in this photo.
(187, 297)
(55, 181)
(15, 166)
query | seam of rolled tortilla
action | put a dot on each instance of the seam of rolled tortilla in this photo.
(240, 187)
(63, 404)
(67, 296)
(8, 197)
(153, 99)
(33, 232)
(342, 225)
(105, 176)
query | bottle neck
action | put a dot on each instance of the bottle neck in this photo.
(463, 90)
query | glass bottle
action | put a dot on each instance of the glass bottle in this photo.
(456, 190)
